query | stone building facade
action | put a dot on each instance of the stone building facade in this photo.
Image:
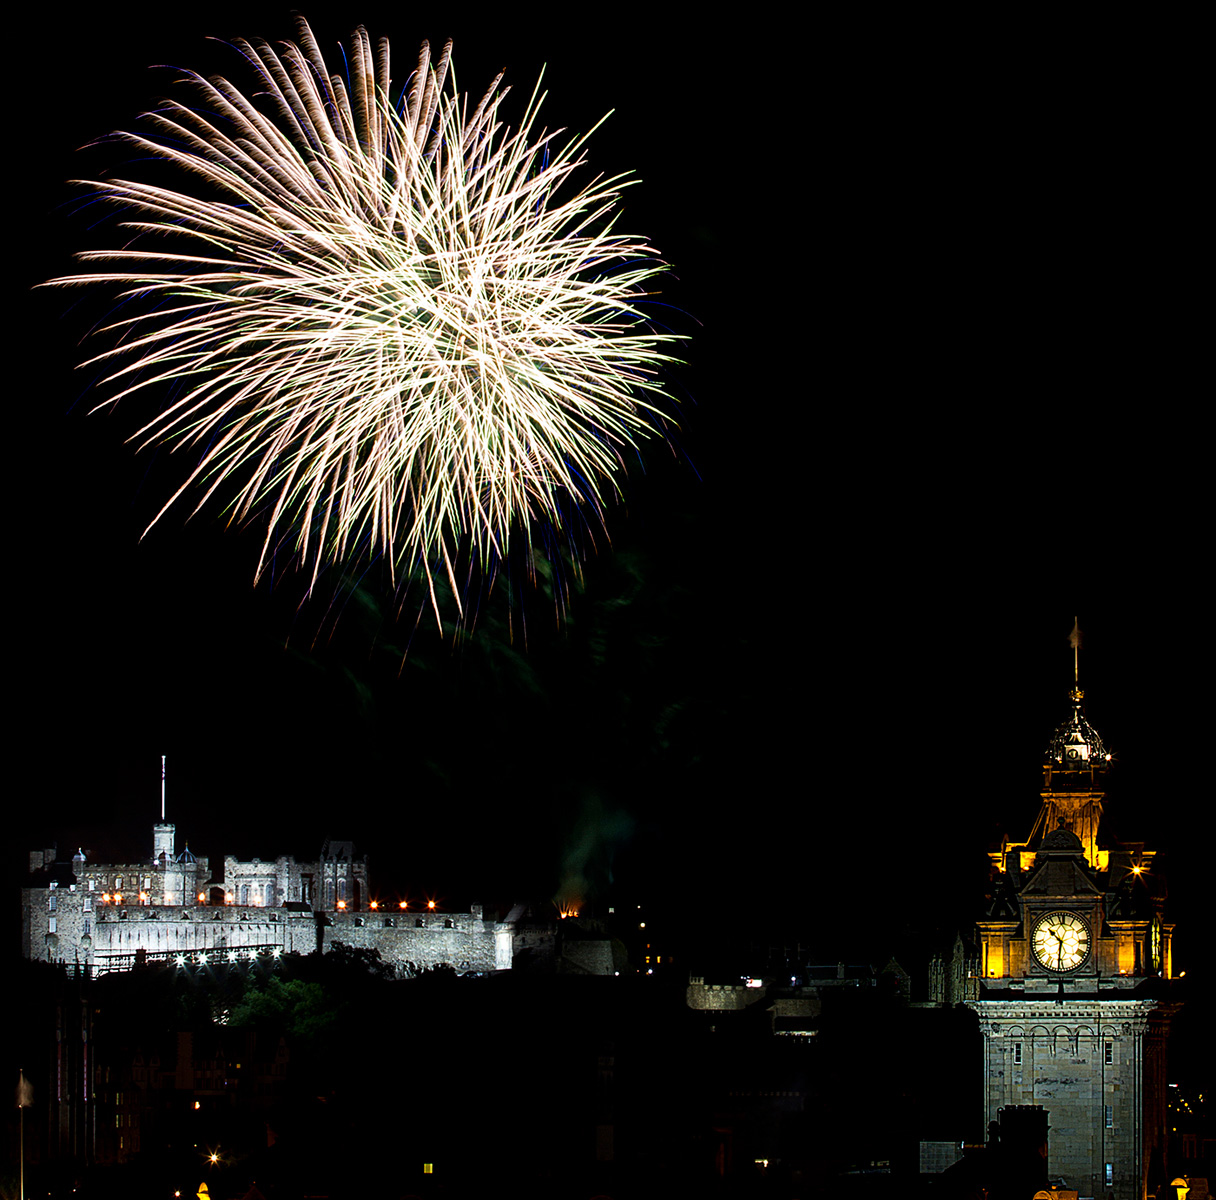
(108, 916)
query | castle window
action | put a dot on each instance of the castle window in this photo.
(360, 922)
(52, 902)
(389, 923)
(448, 923)
(244, 893)
(1110, 1116)
(1110, 1174)
(118, 883)
(1017, 1054)
(1108, 1052)
(54, 925)
(419, 924)
(122, 916)
(87, 928)
(88, 904)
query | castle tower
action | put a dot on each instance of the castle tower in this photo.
(164, 834)
(1074, 980)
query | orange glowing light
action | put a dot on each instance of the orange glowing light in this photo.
(143, 897)
(1136, 870)
(374, 904)
(202, 896)
(403, 904)
(341, 903)
(118, 897)
(430, 904)
(105, 897)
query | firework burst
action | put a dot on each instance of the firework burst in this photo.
(391, 330)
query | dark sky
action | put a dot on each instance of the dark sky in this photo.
(939, 396)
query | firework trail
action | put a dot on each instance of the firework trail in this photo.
(391, 331)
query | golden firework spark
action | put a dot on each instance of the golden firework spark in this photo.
(396, 330)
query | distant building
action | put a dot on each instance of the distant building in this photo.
(108, 916)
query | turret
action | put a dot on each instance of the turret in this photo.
(163, 837)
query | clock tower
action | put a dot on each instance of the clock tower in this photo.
(1074, 970)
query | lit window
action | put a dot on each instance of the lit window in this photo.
(1110, 1174)
(1110, 1116)
(1109, 1053)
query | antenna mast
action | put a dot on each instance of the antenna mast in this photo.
(162, 789)
(1074, 640)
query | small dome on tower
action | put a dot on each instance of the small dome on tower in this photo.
(1075, 743)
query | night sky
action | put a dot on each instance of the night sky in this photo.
(939, 396)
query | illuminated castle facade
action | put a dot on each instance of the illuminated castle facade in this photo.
(1071, 981)
(108, 916)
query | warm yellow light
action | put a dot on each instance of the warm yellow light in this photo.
(105, 897)
(118, 897)
(228, 897)
(430, 904)
(197, 1105)
(374, 904)
(143, 897)
(403, 904)
(341, 903)
(1137, 869)
(202, 897)
(214, 1157)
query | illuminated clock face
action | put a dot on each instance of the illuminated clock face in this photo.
(1061, 941)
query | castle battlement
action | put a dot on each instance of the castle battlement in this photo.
(107, 916)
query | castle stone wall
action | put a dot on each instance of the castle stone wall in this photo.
(461, 940)
(110, 912)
